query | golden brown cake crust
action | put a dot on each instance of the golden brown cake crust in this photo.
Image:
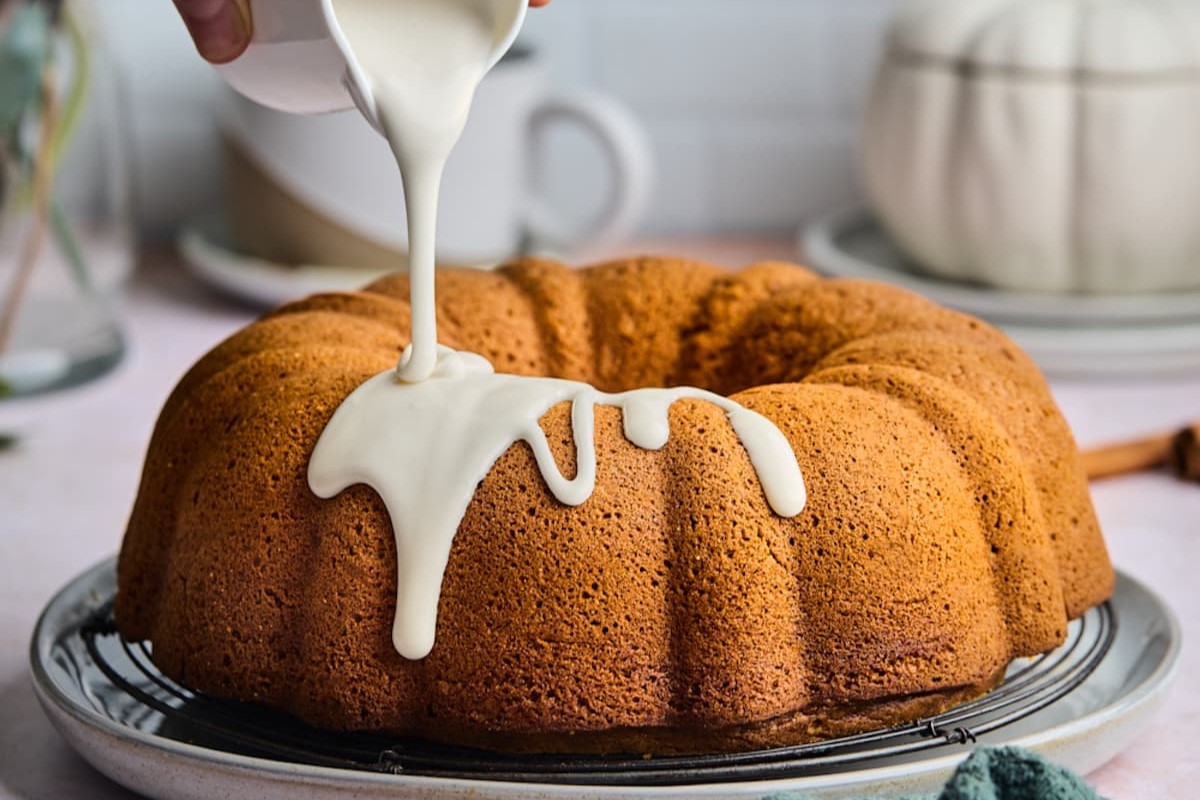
(948, 528)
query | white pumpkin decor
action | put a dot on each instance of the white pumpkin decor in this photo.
(1048, 145)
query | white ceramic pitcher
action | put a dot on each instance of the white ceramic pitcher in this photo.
(298, 60)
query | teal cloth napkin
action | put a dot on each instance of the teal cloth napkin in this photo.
(1007, 773)
(1010, 773)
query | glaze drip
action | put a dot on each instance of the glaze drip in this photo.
(426, 434)
(425, 447)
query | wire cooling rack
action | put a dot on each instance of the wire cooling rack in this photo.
(136, 692)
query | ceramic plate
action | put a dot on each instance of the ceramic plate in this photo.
(852, 244)
(1068, 335)
(99, 705)
(208, 250)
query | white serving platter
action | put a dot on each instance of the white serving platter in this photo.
(170, 758)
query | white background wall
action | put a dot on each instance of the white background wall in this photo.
(752, 105)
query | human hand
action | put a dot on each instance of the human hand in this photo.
(222, 29)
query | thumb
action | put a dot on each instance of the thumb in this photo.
(221, 29)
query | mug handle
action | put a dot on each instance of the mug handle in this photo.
(627, 148)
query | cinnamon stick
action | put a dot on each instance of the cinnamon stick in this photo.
(1185, 458)
(1179, 451)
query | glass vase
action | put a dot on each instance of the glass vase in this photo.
(66, 232)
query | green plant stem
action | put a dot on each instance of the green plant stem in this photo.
(60, 226)
(68, 123)
(76, 97)
(72, 108)
(81, 82)
(32, 250)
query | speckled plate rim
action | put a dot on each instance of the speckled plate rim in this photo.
(168, 769)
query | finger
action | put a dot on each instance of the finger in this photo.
(220, 28)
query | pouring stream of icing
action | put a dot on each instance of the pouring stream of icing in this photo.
(423, 60)
(425, 435)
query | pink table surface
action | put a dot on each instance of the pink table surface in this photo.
(66, 490)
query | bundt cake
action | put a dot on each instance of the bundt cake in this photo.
(948, 527)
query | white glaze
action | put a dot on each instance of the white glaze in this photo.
(425, 435)
(425, 448)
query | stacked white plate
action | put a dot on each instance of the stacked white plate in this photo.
(210, 253)
(1074, 336)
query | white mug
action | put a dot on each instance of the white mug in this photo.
(338, 167)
